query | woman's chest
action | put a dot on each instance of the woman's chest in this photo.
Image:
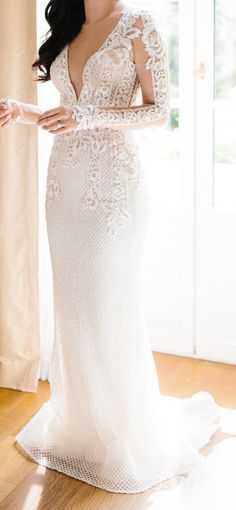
(94, 71)
(89, 42)
(105, 73)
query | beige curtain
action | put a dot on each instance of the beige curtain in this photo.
(19, 302)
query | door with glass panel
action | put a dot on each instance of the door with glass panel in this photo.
(168, 283)
(216, 180)
(190, 275)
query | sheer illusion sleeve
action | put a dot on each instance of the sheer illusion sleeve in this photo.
(151, 61)
(25, 113)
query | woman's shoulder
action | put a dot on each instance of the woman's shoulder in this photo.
(141, 16)
(138, 11)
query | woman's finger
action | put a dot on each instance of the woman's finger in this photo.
(5, 119)
(46, 121)
(59, 131)
(7, 122)
(50, 113)
(53, 126)
(3, 113)
(52, 120)
(4, 106)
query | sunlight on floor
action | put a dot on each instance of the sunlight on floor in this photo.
(35, 491)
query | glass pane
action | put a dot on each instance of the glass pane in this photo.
(225, 104)
(160, 147)
(167, 13)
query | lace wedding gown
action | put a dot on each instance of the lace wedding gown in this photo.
(106, 422)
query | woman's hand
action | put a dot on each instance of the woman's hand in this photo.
(9, 112)
(63, 114)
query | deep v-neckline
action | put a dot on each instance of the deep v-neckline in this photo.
(105, 42)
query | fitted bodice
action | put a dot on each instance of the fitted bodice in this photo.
(102, 148)
(109, 75)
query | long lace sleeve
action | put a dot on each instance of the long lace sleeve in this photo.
(151, 61)
(25, 113)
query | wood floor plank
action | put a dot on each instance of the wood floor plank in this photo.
(180, 377)
(45, 489)
(5, 489)
(14, 467)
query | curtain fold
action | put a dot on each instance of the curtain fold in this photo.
(19, 293)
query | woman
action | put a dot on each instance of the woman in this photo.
(105, 422)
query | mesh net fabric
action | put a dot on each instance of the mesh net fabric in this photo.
(127, 456)
(106, 422)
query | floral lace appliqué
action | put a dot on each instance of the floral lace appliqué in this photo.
(113, 171)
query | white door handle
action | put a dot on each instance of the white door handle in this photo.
(200, 70)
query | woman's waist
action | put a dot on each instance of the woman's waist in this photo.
(102, 148)
(97, 139)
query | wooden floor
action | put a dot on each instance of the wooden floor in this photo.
(25, 485)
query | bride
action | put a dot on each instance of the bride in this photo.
(106, 422)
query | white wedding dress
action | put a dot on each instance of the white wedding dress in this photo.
(106, 422)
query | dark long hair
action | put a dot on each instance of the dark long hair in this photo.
(65, 18)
